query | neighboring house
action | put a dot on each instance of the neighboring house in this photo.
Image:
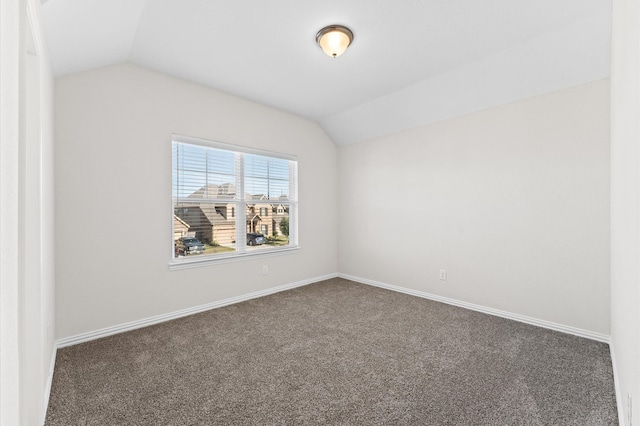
(265, 217)
(257, 220)
(280, 211)
(210, 222)
(221, 218)
(180, 228)
(198, 223)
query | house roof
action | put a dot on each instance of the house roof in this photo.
(226, 190)
(180, 221)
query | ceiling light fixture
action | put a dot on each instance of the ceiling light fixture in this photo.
(334, 39)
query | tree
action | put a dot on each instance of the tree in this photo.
(284, 226)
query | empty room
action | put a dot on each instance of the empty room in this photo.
(341, 212)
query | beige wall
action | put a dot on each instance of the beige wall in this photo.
(512, 201)
(113, 187)
(625, 204)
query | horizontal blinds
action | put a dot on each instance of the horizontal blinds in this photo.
(201, 173)
(210, 174)
(221, 196)
(267, 178)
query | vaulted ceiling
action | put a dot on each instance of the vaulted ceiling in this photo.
(412, 61)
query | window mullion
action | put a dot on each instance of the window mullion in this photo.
(241, 215)
(293, 206)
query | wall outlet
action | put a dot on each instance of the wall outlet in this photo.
(443, 274)
(265, 269)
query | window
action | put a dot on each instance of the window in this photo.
(222, 195)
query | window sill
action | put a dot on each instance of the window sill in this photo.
(199, 262)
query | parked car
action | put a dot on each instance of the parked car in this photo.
(255, 239)
(189, 245)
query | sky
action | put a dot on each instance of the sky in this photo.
(195, 167)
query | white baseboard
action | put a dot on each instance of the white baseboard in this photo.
(47, 390)
(616, 382)
(93, 335)
(121, 328)
(479, 308)
(133, 325)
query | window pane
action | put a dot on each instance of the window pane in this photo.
(204, 228)
(265, 231)
(222, 195)
(266, 177)
(200, 172)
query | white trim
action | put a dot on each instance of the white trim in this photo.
(616, 382)
(97, 334)
(479, 308)
(199, 261)
(11, 25)
(175, 137)
(133, 325)
(47, 390)
(35, 30)
(241, 202)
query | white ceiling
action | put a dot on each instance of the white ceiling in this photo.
(411, 62)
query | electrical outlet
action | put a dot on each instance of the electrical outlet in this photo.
(443, 274)
(265, 269)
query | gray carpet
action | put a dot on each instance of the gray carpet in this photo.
(335, 352)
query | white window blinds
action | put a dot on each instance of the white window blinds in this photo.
(231, 201)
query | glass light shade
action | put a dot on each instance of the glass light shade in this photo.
(334, 40)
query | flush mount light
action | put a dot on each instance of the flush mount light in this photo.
(334, 39)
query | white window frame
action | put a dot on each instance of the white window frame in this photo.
(241, 252)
